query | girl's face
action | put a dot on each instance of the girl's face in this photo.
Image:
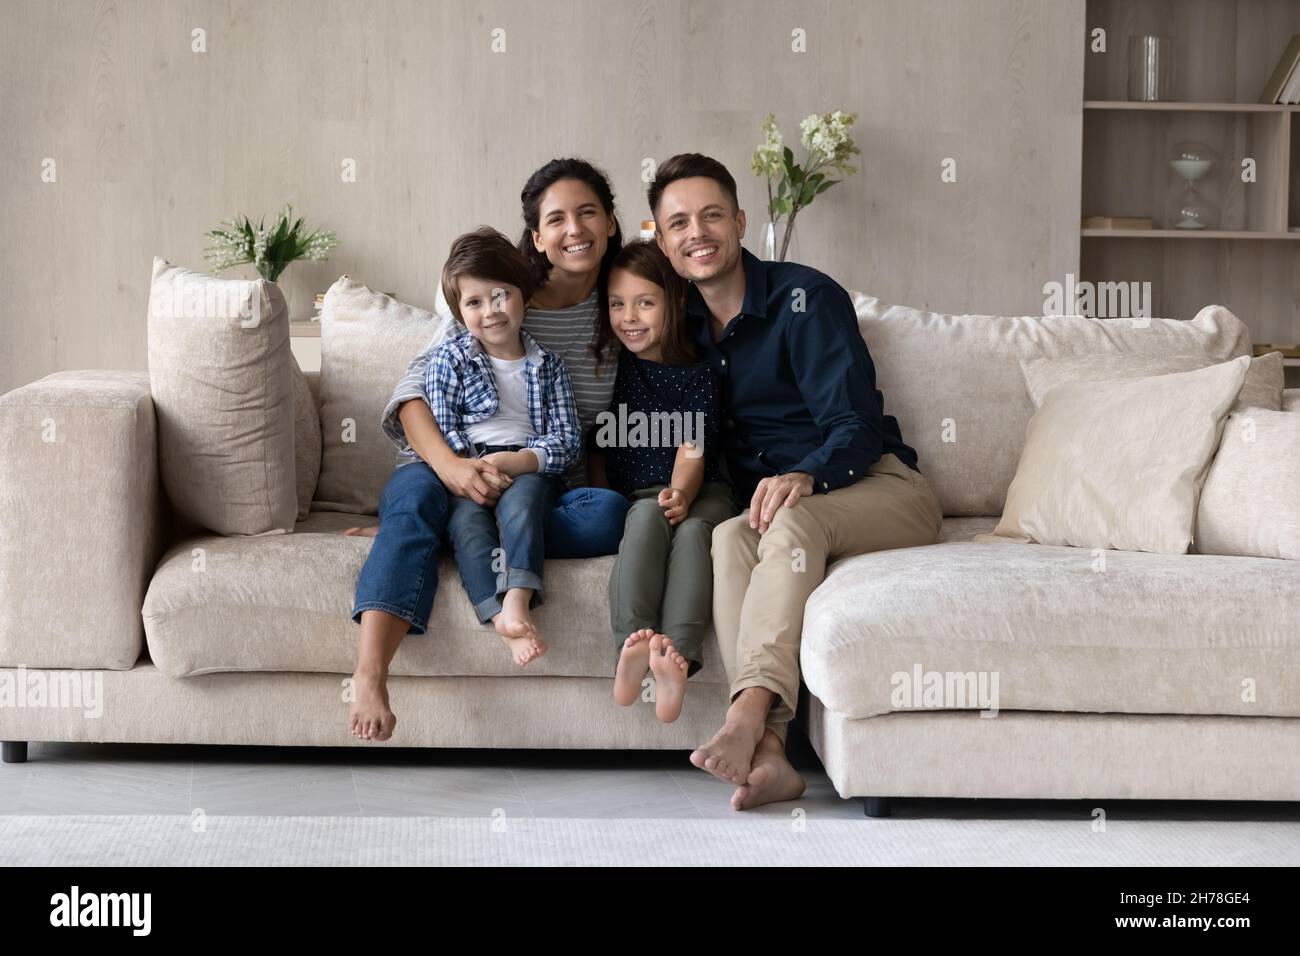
(636, 314)
(573, 229)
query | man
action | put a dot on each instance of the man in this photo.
(825, 472)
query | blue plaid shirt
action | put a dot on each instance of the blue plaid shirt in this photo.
(462, 391)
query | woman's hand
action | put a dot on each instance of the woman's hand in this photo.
(674, 503)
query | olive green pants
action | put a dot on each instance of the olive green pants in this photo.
(663, 576)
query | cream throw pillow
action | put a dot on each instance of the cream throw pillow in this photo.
(220, 375)
(1262, 388)
(367, 341)
(1119, 464)
(1251, 501)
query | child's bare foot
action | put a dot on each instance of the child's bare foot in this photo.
(633, 664)
(361, 532)
(369, 717)
(515, 625)
(670, 677)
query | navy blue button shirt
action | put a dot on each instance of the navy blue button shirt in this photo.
(798, 386)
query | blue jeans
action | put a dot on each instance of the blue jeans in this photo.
(401, 574)
(502, 547)
(586, 523)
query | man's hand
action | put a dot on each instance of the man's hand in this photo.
(674, 504)
(474, 478)
(773, 493)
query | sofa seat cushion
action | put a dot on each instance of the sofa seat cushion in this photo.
(284, 603)
(1063, 629)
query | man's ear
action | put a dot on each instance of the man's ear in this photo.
(740, 222)
(659, 240)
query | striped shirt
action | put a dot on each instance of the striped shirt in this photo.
(565, 332)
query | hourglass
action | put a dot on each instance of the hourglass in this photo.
(1190, 208)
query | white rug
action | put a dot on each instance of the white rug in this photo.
(451, 841)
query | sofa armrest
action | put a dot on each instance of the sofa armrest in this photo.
(1291, 399)
(80, 507)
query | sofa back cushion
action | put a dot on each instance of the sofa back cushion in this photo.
(367, 341)
(220, 372)
(955, 385)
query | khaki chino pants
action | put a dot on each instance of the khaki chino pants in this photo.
(760, 582)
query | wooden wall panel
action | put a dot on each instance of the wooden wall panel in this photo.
(155, 144)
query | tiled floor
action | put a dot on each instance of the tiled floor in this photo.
(258, 781)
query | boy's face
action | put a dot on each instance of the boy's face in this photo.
(493, 312)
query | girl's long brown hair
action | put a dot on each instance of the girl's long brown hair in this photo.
(643, 258)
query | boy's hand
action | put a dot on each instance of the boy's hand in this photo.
(674, 504)
(476, 479)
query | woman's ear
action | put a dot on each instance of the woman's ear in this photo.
(537, 241)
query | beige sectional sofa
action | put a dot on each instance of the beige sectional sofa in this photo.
(1123, 683)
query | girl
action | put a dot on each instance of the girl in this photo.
(661, 588)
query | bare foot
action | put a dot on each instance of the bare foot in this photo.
(772, 778)
(633, 665)
(361, 532)
(369, 717)
(670, 678)
(729, 754)
(515, 625)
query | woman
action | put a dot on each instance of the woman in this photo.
(570, 236)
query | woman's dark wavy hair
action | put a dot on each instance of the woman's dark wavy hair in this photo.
(530, 197)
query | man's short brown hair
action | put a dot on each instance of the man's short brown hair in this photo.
(485, 254)
(686, 166)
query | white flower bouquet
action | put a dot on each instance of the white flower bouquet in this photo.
(791, 186)
(271, 249)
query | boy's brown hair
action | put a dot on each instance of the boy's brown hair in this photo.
(645, 259)
(485, 254)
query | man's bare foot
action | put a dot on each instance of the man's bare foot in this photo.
(772, 778)
(515, 625)
(370, 717)
(361, 532)
(670, 677)
(729, 754)
(633, 665)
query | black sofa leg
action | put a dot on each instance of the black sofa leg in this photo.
(14, 751)
(876, 806)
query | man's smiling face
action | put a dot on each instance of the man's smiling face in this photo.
(699, 228)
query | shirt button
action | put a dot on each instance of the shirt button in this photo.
(825, 486)
(850, 471)
(724, 362)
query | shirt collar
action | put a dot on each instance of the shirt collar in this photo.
(755, 301)
(533, 352)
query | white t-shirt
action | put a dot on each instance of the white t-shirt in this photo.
(511, 425)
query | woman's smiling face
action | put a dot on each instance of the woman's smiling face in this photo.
(573, 229)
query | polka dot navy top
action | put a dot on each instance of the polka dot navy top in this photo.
(639, 440)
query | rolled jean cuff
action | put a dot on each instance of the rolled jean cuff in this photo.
(520, 578)
(488, 608)
(405, 614)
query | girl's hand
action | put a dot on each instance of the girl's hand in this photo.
(674, 504)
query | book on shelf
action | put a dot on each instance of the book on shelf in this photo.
(1117, 222)
(1284, 85)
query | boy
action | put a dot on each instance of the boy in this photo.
(498, 395)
